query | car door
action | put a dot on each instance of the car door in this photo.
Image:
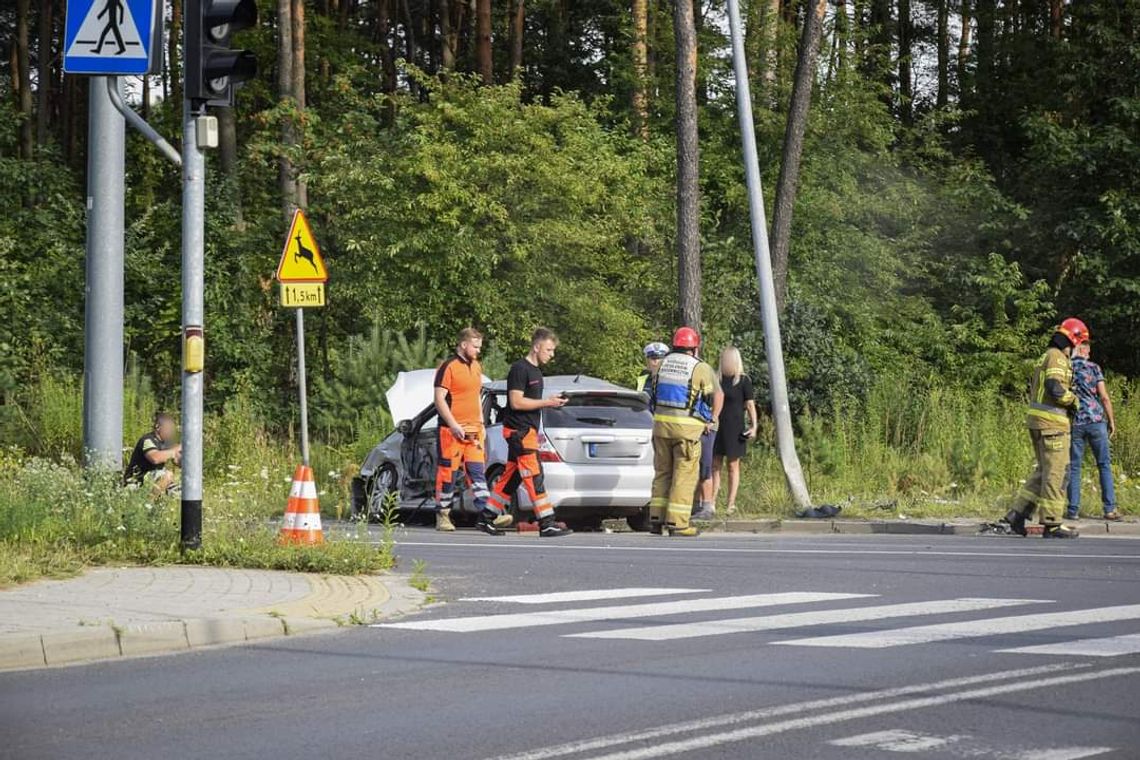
(419, 454)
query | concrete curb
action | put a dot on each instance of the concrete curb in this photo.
(336, 602)
(1088, 527)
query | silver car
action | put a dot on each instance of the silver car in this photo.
(596, 453)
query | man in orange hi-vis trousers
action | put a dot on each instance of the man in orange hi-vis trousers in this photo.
(459, 401)
(521, 428)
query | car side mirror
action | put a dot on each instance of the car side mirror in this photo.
(405, 427)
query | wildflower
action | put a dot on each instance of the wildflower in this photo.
(264, 473)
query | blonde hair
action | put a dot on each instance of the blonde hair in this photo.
(468, 333)
(731, 356)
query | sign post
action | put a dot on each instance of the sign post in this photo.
(302, 276)
(106, 38)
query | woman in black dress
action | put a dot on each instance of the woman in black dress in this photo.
(733, 434)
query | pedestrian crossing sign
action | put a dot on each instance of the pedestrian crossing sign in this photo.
(113, 37)
(301, 258)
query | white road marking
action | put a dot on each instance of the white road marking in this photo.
(720, 721)
(586, 596)
(925, 634)
(1111, 646)
(1062, 753)
(897, 740)
(621, 612)
(541, 546)
(801, 619)
(659, 749)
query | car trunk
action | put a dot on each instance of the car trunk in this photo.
(600, 427)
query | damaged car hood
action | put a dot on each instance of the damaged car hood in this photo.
(413, 392)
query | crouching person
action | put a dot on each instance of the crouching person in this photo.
(148, 460)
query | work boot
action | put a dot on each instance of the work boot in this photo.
(1016, 522)
(547, 528)
(1059, 531)
(657, 529)
(1112, 516)
(486, 522)
(443, 521)
(685, 532)
(503, 521)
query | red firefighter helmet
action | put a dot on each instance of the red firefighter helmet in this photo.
(686, 337)
(1075, 330)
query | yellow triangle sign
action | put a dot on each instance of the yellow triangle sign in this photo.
(301, 259)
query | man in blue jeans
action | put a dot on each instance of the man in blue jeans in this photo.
(1094, 425)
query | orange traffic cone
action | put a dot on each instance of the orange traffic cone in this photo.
(302, 524)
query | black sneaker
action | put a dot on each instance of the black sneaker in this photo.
(1059, 531)
(488, 527)
(551, 529)
(1016, 522)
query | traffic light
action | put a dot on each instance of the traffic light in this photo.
(212, 68)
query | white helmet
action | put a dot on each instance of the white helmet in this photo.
(656, 350)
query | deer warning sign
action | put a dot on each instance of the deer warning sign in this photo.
(301, 259)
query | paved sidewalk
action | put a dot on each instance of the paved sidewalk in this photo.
(122, 612)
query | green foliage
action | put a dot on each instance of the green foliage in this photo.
(55, 518)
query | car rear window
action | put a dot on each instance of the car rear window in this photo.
(600, 412)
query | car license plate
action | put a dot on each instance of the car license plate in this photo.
(614, 450)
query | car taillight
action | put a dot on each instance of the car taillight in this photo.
(546, 450)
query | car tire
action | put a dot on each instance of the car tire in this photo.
(639, 523)
(379, 492)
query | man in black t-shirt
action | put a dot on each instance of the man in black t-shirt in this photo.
(521, 424)
(151, 453)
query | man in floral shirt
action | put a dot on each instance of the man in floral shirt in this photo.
(1094, 425)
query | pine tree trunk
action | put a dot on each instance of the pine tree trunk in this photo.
(146, 98)
(285, 178)
(484, 63)
(964, 50)
(44, 87)
(770, 46)
(688, 166)
(518, 28)
(447, 36)
(227, 158)
(22, 76)
(640, 65)
(842, 34)
(788, 182)
(906, 48)
(298, 82)
(173, 52)
(943, 34)
(1056, 16)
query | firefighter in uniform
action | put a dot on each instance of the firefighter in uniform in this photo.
(654, 354)
(459, 401)
(1051, 399)
(686, 400)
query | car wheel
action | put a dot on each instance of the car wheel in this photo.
(639, 522)
(382, 495)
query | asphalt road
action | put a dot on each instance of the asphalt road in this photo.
(635, 647)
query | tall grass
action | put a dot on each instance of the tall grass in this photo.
(922, 451)
(56, 517)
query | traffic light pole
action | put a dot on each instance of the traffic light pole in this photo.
(773, 348)
(103, 306)
(193, 319)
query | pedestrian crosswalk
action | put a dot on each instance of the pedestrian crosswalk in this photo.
(697, 615)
